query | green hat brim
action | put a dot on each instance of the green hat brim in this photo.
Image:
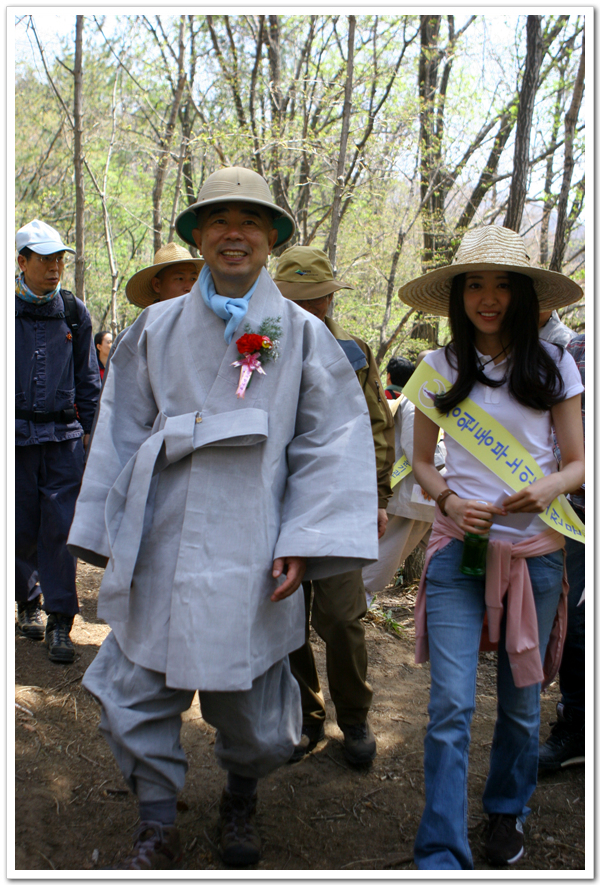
(187, 220)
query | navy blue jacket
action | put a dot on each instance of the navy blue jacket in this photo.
(53, 371)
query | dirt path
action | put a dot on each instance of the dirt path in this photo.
(73, 811)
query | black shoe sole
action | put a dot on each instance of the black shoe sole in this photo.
(360, 761)
(61, 659)
(240, 856)
(62, 656)
(300, 751)
(34, 637)
(503, 862)
(559, 766)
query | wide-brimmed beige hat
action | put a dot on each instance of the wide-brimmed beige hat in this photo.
(139, 289)
(305, 273)
(235, 184)
(489, 248)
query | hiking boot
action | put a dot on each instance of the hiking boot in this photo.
(29, 619)
(566, 744)
(312, 733)
(504, 842)
(360, 746)
(156, 847)
(60, 647)
(240, 841)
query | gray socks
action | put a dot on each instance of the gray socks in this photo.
(164, 811)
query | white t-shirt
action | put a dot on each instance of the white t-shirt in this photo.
(467, 476)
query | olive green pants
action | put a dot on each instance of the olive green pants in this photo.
(338, 604)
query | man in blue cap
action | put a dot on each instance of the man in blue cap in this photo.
(57, 388)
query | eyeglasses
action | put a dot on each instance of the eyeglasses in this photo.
(49, 260)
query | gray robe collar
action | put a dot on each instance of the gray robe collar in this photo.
(209, 348)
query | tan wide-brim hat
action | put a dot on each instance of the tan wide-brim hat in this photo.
(139, 288)
(239, 185)
(489, 248)
(305, 273)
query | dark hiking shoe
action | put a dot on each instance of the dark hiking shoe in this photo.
(312, 733)
(156, 847)
(566, 744)
(29, 619)
(504, 843)
(240, 841)
(60, 647)
(360, 746)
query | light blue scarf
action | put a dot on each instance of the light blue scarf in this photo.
(232, 310)
(24, 292)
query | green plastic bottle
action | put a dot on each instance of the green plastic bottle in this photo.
(474, 554)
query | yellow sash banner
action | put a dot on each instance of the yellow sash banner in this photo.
(401, 470)
(489, 442)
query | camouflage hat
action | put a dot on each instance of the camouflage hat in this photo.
(235, 184)
(305, 273)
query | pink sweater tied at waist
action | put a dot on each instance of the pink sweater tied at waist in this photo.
(507, 583)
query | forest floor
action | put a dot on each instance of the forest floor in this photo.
(74, 812)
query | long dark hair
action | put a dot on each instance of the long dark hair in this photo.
(533, 376)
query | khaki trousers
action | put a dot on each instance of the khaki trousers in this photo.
(338, 604)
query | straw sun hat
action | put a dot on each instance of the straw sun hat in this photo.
(235, 184)
(305, 274)
(139, 288)
(489, 248)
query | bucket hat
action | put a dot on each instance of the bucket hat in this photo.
(139, 289)
(489, 248)
(305, 273)
(235, 184)
(40, 238)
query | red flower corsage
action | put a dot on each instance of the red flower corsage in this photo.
(256, 348)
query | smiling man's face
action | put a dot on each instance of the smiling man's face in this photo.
(235, 240)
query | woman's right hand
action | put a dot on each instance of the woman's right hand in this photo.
(470, 515)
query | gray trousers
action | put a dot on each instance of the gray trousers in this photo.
(141, 720)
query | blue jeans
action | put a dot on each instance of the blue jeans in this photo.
(572, 668)
(455, 611)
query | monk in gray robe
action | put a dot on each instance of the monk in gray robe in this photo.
(232, 457)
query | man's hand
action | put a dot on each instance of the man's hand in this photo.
(294, 568)
(382, 521)
(86, 440)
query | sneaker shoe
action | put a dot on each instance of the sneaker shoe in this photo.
(29, 619)
(156, 847)
(240, 841)
(312, 733)
(566, 744)
(60, 647)
(360, 746)
(504, 843)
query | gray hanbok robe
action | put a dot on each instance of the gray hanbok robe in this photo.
(190, 492)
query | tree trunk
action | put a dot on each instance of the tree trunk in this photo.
(165, 143)
(558, 252)
(78, 161)
(549, 198)
(413, 566)
(339, 179)
(533, 63)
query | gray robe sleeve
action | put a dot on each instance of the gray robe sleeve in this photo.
(329, 512)
(117, 437)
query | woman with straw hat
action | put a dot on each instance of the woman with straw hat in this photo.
(499, 377)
